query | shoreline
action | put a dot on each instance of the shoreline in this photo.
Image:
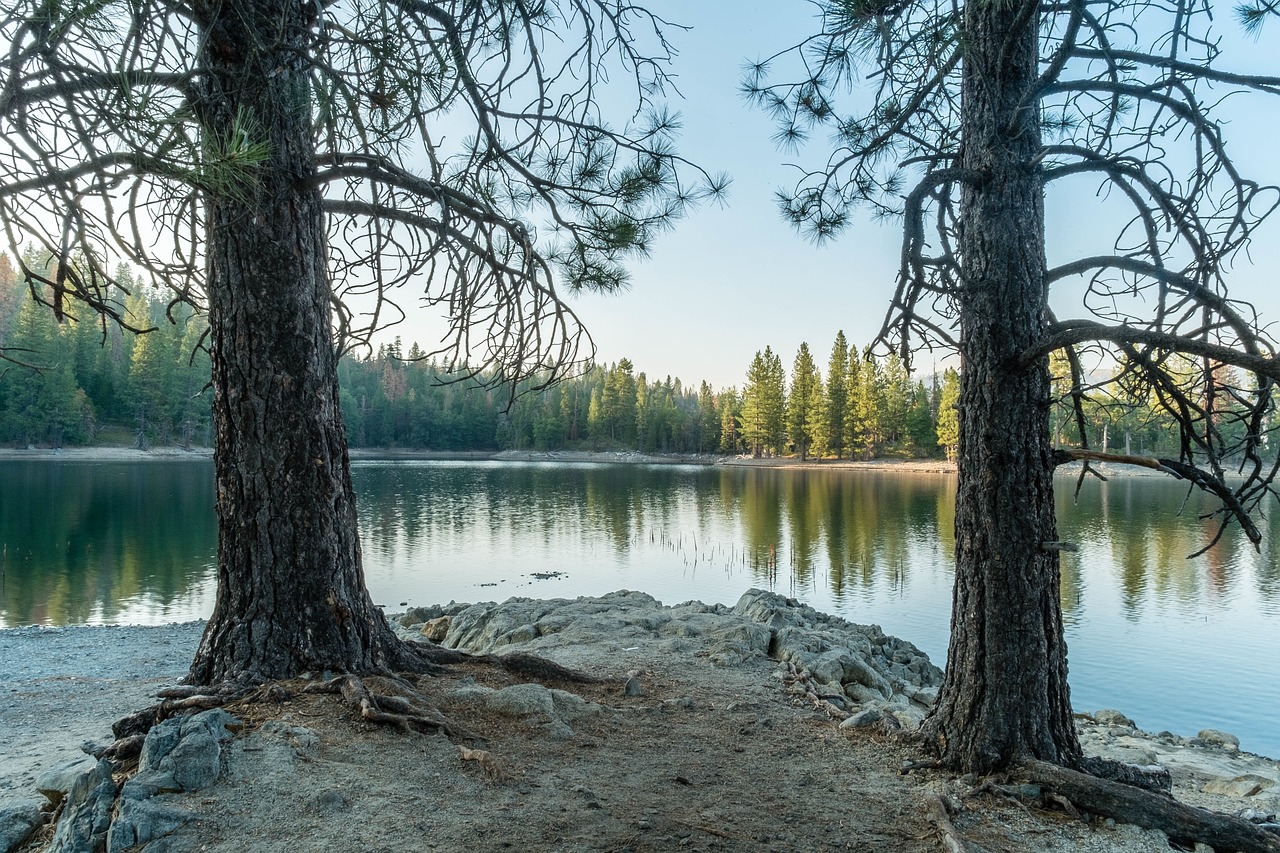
(704, 675)
(598, 457)
(591, 457)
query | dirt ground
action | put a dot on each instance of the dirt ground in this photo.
(705, 758)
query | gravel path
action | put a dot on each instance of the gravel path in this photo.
(84, 678)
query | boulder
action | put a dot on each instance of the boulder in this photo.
(187, 749)
(18, 822)
(1247, 785)
(1112, 717)
(417, 615)
(1213, 737)
(436, 629)
(862, 719)
(86, 815)
(56, 782)
(522, 700)
(140, 821)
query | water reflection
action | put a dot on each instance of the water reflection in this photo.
(1146, 528)
(135, 543)
(86, 543)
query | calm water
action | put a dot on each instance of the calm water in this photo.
(1177, 644)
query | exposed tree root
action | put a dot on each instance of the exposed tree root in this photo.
(524, 665)
(380, 697)
(493, 768)
(406, 709)
(952, 840)
(179, 700)
(1129, 804)
(800, 682)
(1155, 778)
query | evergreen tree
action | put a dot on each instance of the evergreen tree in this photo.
(730, 421)
(755, 418)
(804, 403)
(708, 420)
(895, 395)
(948, 415)
(597, 424)
(865, 393)
(837, 402)
(775, 402)
(645, 427)
(922, 436)
(42, 403)
(618, 404)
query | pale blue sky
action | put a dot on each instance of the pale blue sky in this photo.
(729, 281)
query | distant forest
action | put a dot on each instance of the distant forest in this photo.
(81, 382)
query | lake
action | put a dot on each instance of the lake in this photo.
(1176, 644)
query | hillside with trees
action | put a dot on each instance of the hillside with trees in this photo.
(80, 382)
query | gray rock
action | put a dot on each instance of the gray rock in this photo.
(86, 816)
(522, 700)
(772, 609)
(436, 629)
(55, 782)
(417, 615)
(18, 822)
(1213, 737)
(571, 706)
(305, 742)
(1112, 717)
(633, 687)
(149, 783)
(862, 719)
(142, 821)
(557, 730)
(471, 694)
(859, 671)
(476, 627)
(1247, 785)
(862, 694)
(331, 800)
(189, 749)
(1136, 755)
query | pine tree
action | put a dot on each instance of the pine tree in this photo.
(948, 415)
(865, 405)
(775, 402)
(837, 402)
(708, 420)
(730, 423)
(804, 401)
(920, 431)
(895, 396)
(645, 426)
(754, 417)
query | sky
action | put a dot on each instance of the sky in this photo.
(730, 280)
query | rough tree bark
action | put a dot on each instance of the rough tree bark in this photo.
(291, 591)
(1005, 695)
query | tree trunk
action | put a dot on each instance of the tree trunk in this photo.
(1005, 694)
(291, 591)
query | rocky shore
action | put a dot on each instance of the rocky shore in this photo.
(762, 726)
